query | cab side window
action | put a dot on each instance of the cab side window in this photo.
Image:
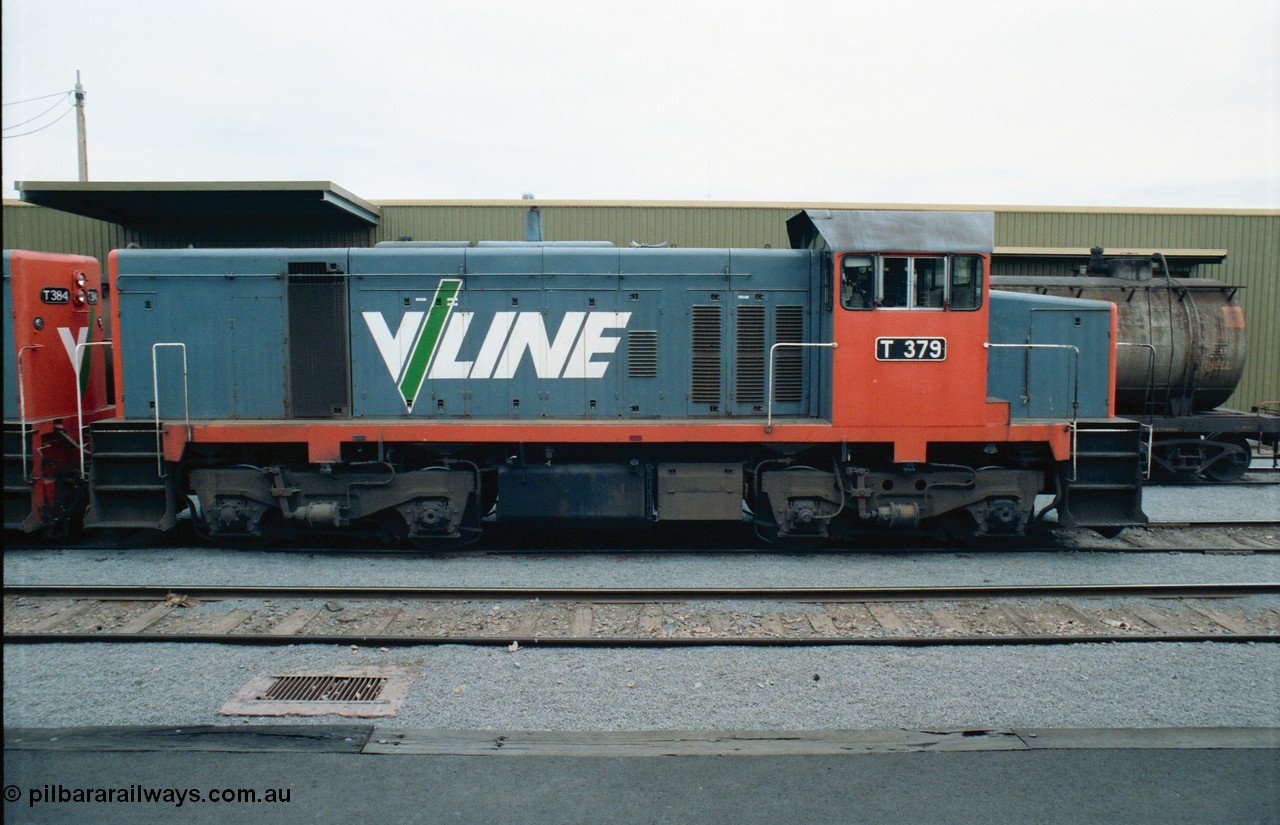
(858, 282)
(894, 288)
(966, 282)
(930, 283)
(911, 282)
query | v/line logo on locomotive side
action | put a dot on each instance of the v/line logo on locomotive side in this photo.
(428, 345)
(71, 342)
(59, 295)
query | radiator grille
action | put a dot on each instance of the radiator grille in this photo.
(642, 354)
(705, 388)
(750, 355)
(788, 375)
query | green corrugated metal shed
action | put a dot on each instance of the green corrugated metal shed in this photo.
(1249, 237)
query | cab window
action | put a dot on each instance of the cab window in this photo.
(911, 282)
(894, 288)
(858, 282)
(966, 282)
(930, 277)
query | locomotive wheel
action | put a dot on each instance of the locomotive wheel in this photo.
(429, 544)
(800, 543)
(961, 526)
(1234, 462)
(767, 531)
(271, 530)
(116, 537)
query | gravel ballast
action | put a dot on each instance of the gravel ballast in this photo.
(1077, 686)
(459, 687)
(191, 566)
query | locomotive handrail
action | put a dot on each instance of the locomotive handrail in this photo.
(155, 390)
(22, 412)
(768, 427)
(80, 397)
(1147, 403)
(1151, 437)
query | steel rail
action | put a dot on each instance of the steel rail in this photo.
(1213, 485)
(1174, 524)
(638, 641)
(639, 594)
(505, 548)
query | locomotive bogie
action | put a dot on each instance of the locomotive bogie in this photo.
(271, 501)
(807, 501)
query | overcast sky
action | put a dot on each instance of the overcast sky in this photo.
(1082, 102)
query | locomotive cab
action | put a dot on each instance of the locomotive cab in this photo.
(938, 377)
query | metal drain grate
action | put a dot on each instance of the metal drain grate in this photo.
(324, 689)
(358, 692)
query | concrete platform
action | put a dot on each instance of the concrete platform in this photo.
(360, 773)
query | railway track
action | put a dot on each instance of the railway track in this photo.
(1259, 479)
(1207, 524)
(1261, 535)
(522, 617)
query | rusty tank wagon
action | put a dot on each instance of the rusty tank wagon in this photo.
(1181, 352)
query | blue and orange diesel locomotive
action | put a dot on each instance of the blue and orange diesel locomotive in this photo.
(865, 379)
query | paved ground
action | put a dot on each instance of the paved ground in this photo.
(1041, 785)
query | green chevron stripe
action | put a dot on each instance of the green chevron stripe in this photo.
(425, 348)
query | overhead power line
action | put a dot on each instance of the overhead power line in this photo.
(69, 110)
(76, 101)
(42, 97)
(37, 117)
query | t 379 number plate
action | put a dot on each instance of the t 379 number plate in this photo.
(911, 349)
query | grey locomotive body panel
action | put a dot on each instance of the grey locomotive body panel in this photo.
(227, 310)
(1065, 373)
(573, 333)
(438, 333)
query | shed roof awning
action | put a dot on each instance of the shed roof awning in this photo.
(151, 205)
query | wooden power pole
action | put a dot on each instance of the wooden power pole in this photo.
(80, 138)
